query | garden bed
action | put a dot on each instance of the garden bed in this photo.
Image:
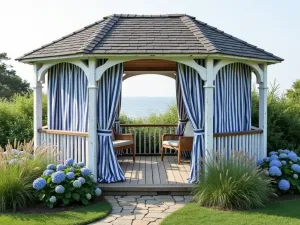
(68, 215)
(277, 212)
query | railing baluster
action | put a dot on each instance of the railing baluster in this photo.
(149, 140)
(140, 140)
(154, 137)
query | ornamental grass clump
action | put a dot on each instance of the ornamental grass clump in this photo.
(19, 167)
(235, 183)
(64, 184)
(283, 167)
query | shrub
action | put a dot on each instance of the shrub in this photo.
(64, 184)
(234, 183)
(18, 168)
(283, 166)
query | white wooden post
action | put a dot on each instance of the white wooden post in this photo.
(263, 103)
(92, 121)
(209, 110)
(37, 109)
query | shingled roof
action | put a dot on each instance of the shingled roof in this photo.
(149, 34)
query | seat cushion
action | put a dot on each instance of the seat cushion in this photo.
(189, 130)
(173, 143)
(120, 143)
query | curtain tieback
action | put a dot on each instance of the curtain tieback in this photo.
(103, 132)
(198, 132)
(183, 121)
(117, 121)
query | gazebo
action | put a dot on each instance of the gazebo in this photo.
(213, 82)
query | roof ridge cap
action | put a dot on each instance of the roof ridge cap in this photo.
(99, 34)
(238, 39)
(64, 37)
(189, 22)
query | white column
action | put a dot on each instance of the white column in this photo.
(263, 102)
(37, 108)
(209, 110)
(92, 121)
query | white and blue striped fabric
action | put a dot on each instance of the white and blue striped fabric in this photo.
(193, 96)
(109, 90)
(117, 124)
(182, 115)
(232, 99)
(67, 99)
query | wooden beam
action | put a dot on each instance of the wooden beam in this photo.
(150, 65)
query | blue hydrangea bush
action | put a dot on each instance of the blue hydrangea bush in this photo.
(64, 184)
(283, 166)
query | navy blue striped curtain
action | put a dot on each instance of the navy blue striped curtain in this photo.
(109, 91)
(67, 99)
(193, 96)
(182, 114)
(232, 99)
(117, 124)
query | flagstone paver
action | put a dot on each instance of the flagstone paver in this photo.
(142, 210)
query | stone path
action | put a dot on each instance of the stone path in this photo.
(142, 210)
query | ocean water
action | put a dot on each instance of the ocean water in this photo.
(136, 107)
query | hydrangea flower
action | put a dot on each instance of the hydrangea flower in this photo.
(283, 156)
(81, 164)
(52, 199)
(48, 172)
(286, 151)
(71, 169)
(284, 185)
(259, 162)
(283, 162)
(275, 171)
(51, 167)
(70, 175)
(98, 192)
(21, 153)
(290, 162)
(75, 165)
(292, 156)
(60, 167)
(267, 159)
(296, 168)
(85, 171)
(272, 153)
(58, 177)
(69, 162)
(295, 176)
(93, 178)
(39, 183)
(15, 151)
(12, 161)
(81, 179)
(281, 151)
(273, 157)
(275, 163)
(59, 189)
(88, 196)
(77, 184)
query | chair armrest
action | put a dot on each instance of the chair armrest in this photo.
(186, 143)
(167, 137)
(124, 137)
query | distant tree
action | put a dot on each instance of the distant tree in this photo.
(293, 94)
(10, 82)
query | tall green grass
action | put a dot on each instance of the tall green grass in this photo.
(234, 183)
(16, 191)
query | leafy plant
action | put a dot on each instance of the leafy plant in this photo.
(64, 184)
(19, 167)
(234, 183)
(283, 166)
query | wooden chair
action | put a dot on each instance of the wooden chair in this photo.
(124, 141)
(178, 142)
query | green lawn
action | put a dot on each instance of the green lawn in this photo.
(82, 215)
(285, 212)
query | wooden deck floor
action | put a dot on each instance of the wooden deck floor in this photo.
(150, 174)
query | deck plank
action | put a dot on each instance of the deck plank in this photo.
(128, 173)
(155, 175)
(149, 171)
(175, 169)
(182, 170)
(169, 172)
(162, 171)
(142, 171)
(135, 171)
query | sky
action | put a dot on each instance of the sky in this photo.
(273, 25)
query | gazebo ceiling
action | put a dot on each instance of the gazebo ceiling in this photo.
(122, 34)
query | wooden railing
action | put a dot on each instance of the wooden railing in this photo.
(147, 137)
(248, 142)
(148, 141)
(68, 144)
